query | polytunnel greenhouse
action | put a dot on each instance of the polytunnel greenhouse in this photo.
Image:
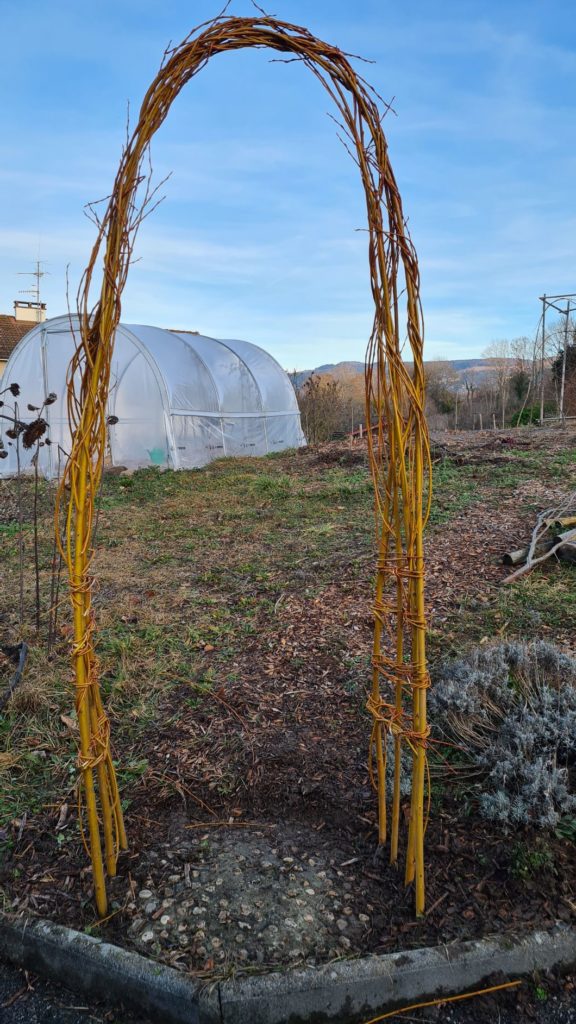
(177, 399)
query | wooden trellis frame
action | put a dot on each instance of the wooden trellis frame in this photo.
(399, 452)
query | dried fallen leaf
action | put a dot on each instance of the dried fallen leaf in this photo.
(62, 817)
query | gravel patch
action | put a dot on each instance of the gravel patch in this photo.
(248, 898)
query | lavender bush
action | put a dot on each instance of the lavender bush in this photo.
(512, 707)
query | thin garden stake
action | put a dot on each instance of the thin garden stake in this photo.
(399, 453)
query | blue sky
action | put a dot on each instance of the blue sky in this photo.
(259, 234)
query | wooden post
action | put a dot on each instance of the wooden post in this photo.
(564, 355)
(542, 359)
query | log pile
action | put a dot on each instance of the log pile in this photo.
(554, 536)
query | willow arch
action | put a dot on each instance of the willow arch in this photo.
(399, 450)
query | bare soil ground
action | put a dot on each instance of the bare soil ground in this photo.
(235, 631)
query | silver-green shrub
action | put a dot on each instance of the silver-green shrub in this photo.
(512, 708)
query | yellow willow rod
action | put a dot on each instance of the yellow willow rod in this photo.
(415, 859)
(400, 485)
(400, 597)
(381, 729)
(406, 489)
(399, 694)
(112, 820)
(93, 725)
(83, 691)
(378, 726)
(444, 999)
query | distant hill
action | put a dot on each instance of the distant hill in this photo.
(477, 368)
(337, 370)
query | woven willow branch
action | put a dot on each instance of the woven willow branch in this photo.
(398, 453)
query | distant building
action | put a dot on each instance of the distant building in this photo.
(13, 328)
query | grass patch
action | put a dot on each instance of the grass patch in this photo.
(540, 605)
(453, 489)
(194, 567)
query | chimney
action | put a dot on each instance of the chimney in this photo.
(30, 312)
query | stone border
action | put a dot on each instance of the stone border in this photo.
(346, 992)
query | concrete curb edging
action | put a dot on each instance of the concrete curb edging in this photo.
(106, 972)
(356, 990)
(346, 992)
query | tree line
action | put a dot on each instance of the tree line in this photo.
(526, 381)
(523, 382)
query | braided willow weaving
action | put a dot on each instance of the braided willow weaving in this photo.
(398, 453)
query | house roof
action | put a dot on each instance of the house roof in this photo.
(11, 330)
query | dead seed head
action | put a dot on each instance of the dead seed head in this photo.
(16, 429)
(33, 432)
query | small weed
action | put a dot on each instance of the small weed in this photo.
(527, 861)
(9, 530)
(66, 836)
(204, 683)
(130, 771)
(566, 829)
(274, 487)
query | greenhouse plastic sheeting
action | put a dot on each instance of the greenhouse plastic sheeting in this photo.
(181, 399)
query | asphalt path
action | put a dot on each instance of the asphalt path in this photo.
(25, 999)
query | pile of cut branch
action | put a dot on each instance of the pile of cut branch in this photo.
(554, 536)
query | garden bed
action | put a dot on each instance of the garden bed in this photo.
(235, 634)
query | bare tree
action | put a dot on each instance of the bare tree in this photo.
(500, 354)
(443, 384)
(563, 348)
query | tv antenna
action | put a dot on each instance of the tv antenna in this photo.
(37, 274)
